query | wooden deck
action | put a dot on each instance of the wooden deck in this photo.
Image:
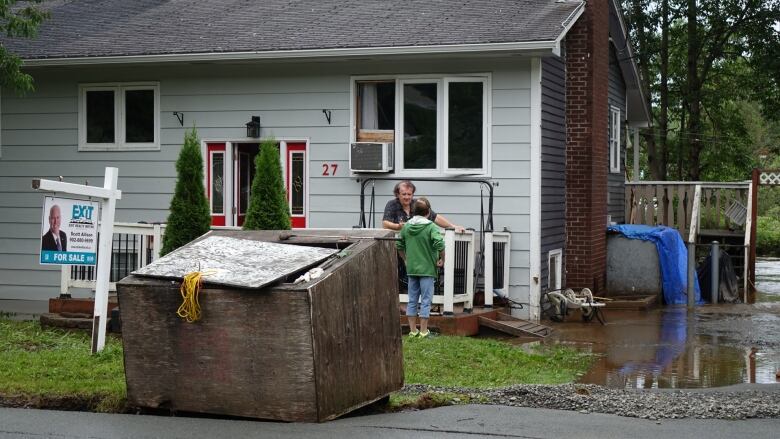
(467, 324)
(461, 323)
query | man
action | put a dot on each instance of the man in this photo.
(399, 210)
(55, 239)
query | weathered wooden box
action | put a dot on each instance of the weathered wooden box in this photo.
(294, 352)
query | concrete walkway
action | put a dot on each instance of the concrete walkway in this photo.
(455, 421)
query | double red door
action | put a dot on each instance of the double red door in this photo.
(229, 173)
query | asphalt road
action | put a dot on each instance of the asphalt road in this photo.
(455, 421)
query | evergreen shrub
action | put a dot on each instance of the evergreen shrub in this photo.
(268, 208)
(189, 215)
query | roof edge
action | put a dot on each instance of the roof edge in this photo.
(567, 24)
(519, 47)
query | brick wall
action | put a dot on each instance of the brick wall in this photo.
(587, 155)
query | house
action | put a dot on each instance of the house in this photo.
(538, 96)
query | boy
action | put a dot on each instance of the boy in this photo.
(422, 249)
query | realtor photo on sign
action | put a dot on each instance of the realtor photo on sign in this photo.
(69, 231)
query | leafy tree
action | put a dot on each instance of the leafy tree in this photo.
(268, 208)
(701, 61)
(16, 22)
(190, 216)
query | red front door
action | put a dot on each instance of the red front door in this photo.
(215, 178)
(229, 176)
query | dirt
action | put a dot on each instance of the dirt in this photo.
(67, 403)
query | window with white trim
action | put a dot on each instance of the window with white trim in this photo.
(555, 269)
(119, 116)
(614, 139)
(438, 124)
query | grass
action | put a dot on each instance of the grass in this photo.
(483, 363)
(56, 368)
(47, 368)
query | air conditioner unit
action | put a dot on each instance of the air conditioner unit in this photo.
(371, 157)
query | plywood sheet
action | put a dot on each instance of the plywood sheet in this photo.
(236, 262)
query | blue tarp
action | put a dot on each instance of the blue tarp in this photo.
(672, 256)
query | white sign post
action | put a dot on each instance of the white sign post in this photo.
(108, 195)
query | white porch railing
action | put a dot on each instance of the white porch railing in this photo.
(458, 273)
(134, 246)
(497, 253)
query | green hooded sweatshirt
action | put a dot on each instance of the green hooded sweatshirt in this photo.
(421, 241)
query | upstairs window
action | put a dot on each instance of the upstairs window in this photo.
(439, 125)
(614, 139)
(121, 116)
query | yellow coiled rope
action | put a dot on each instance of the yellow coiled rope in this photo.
(190, 287)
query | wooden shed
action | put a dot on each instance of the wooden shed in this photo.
(308, 351)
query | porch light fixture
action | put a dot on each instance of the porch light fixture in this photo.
(253, 127)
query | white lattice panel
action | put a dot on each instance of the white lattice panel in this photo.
(770, 178)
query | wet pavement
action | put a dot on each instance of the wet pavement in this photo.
(670, 347)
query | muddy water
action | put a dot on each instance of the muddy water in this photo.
(669, 347)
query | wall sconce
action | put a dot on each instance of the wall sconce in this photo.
(253, 127)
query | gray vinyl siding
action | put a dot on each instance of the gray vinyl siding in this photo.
(617, 98)
(40, 131)
(553, 233)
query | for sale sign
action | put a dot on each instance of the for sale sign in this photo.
(69, 231)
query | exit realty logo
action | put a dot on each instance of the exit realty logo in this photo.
(82, 214)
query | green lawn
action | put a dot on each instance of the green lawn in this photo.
(480, 363)
(52, 368)
(47, 365)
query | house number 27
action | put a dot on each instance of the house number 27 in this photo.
(329, 169)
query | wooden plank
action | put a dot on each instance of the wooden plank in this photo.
(728, 195)
(627, 204)
(662, 205)
(358, 357)
(514, 328)
(645, 205)
(680, 221)
(717, 208)
(652, 204)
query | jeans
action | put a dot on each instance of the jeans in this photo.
(420, 286)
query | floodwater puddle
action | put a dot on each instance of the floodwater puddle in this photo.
(669, 347)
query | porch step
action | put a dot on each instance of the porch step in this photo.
(514, 326)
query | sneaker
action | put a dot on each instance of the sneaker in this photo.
(414, 334)
(424, 334)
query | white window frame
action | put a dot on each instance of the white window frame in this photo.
(119, 144)
(614, 139)
(446, 126)
(442, 121)
(399, 129)
(556, 256)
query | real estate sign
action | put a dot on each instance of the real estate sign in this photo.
(69, 231)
